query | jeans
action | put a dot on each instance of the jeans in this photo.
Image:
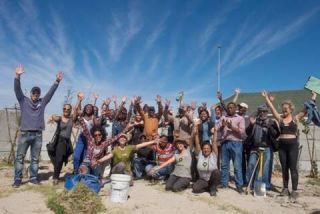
(163, 172)
(79, 153)
(26, 139)
(266, 166)
(177, 184)
(96, 171)
(231, 150)
(139, 165)
(202, 185)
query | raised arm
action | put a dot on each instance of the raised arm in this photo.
(219, 96)
(214, 141)
(103, 159)
(17, 84)
(271, 106)
(167, 117)
(95, 98)
(197, 141)
(54, 118)
(77, 107)
(49, 94)
(236, 95)
(138, 107)
(160, 107)
(145, 144)
(123, 102)
(114, 100)
(86, 131)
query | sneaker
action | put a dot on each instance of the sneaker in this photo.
(16, 184)
(240, 190)
(294, 195)
(285, 192)
(34, 182)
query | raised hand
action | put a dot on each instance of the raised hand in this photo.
(237, 91)
(219, 95)
(137, 99)
(95, 96)
(158, 99)
(314, 95)
(114, 98)
(204, 104)
(59, 76)
(19, 70)
(124, 99)
(80, 96)
(193, 105)
(264, 93)
(107, 101)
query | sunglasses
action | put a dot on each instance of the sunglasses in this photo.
(98, 135)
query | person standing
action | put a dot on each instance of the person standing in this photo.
(32, 125)
(232, 127)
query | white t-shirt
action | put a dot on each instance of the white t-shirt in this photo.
(206, 165)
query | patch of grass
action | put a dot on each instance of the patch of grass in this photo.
(4, 164)
(78, 200)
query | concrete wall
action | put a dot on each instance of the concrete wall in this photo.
(13, 118)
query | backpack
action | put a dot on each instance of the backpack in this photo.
(91, 181)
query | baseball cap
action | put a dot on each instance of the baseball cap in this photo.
(36, 90)
(244, 105)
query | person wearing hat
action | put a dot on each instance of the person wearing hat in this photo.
(261, 132)
(32, 125)
(122, 155)
(180, 178)
(164, 151)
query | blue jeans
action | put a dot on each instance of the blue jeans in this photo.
(139, 165)
(96, 171)
(79, 153)
(231, 150)
(163, 172)
(26, 139)
(266, 166)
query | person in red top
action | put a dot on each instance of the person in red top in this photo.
(164, 151)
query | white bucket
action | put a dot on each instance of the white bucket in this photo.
(120, 187)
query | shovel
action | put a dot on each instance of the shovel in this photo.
(259, 186)
(252, 175)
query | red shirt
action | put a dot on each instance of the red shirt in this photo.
(163, 154)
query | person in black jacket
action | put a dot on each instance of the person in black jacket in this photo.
(261, 133)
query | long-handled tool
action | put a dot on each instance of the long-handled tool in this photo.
(259, 186)
(252, 175)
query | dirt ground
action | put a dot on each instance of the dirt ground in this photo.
(146, 197)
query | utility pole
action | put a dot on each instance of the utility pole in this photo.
(219, 66)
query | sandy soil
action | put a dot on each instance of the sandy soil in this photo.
(146, 197)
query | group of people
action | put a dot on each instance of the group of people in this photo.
(193, 145)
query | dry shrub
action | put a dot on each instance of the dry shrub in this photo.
(78, 200)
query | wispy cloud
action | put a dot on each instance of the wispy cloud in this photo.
(245, 50)
(158, 30)
(121, 32)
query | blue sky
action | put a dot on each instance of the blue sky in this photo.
(153, 47)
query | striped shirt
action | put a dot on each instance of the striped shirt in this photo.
(163, 154)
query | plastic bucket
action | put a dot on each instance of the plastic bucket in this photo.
(120, 187)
